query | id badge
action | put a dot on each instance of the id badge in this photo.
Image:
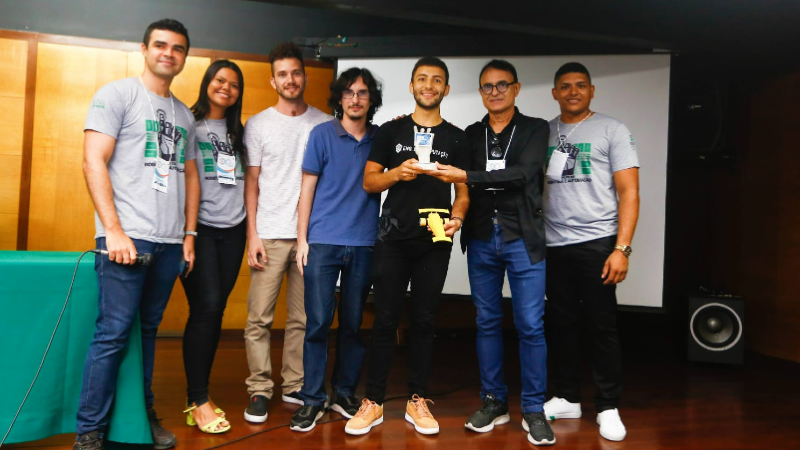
(161, 175)
(226, 166)
(495, 165)
(557, 162)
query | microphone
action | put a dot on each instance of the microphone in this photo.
(142, 259)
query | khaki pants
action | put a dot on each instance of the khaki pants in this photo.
(265, 285)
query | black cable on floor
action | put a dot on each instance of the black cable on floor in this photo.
(397, 397)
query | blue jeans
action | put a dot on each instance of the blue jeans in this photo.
(325, 263)
(124, 293)
(487, 262)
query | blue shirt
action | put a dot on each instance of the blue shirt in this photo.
(342, 212)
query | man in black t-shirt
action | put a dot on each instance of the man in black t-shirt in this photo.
(405, 251)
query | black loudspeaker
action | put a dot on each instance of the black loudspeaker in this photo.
(701, 121)
(716, 330)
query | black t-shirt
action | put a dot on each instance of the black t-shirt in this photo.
(392, 145)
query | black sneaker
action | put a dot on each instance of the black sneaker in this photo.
(305, 418)
(346, 406)
(162, 437)
(89, 441)
(256, 412)
(293, 397)
(493, 412)
(539, 431)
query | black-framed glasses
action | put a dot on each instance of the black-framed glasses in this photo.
(362, 94)
(501, 87)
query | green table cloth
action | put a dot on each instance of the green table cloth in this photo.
(33, 286)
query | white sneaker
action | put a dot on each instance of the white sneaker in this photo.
(558, 408)
(611, 426)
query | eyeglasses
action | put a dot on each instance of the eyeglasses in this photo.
(363, 94)
(501, 87)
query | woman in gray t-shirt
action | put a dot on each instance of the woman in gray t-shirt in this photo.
(221, 233)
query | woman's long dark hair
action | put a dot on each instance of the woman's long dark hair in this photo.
(233, 115)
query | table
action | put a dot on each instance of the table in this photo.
(33, 286)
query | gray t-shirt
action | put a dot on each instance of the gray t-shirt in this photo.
(121, 110)
(221, 205)
(277, 143)
(582, 206)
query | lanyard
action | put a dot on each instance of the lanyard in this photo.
(507, 146)
(558, 127)
(227, 136)
(172, 100)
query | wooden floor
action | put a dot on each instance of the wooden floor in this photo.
(667, 404)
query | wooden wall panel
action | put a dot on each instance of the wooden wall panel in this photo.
(61, 211)
(13, 69)
(258, 92)
(755, 221)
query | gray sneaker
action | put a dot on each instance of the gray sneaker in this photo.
(162, 437)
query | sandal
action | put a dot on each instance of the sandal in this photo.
(210, 427)
(217, 409)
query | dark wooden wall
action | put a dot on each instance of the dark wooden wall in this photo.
(735, 226)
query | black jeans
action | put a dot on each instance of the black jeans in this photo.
(578, 301)
(425, 264)
(219, 253)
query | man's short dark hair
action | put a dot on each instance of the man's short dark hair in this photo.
(345, 80)
(432, 61)
(499, 64)
(286, 50)
(571, 67)
(169, 25)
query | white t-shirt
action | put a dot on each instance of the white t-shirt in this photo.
(276, 143)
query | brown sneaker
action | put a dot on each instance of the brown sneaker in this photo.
(369, 415)
(417, 412)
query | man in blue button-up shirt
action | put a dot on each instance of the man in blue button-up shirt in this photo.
(336, 229)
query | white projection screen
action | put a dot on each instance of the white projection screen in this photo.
(632, 88)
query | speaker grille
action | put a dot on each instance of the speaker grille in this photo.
(716, 327)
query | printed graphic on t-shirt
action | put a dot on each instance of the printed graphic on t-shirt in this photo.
(165, 141)
(210, 151)
(578, 167)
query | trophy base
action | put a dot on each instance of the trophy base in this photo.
(426, 166)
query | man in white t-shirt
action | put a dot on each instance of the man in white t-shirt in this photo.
(591, 205)
(276, 140)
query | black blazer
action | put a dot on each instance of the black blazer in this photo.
(523, 175)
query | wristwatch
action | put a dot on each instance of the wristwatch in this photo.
(625, 249)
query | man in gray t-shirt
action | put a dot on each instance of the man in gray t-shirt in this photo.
(591, 206)
(138, 152)
(275, 140)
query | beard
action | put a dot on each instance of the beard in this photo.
(434, 102)
(291, 96)
(355, 115)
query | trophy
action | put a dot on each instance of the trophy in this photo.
(423, 146)
(435, 221)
